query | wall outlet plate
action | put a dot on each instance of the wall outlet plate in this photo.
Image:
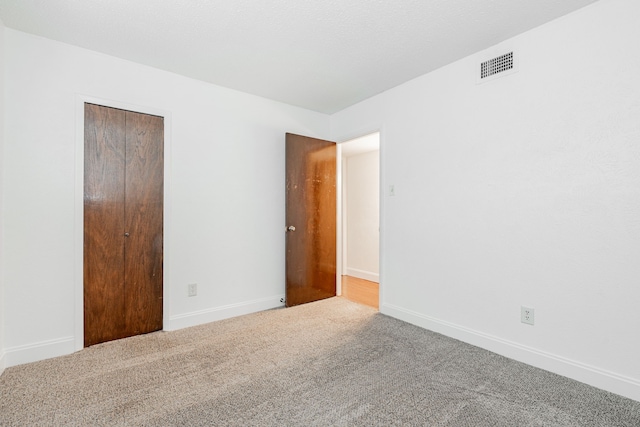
(192, 289)
(527, 315)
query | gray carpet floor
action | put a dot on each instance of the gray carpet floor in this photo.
(329, 363)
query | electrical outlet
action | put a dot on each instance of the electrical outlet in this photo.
(192, 289)
(527, 315)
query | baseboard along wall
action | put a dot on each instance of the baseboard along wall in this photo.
(362, 274)
(600, 378)
(59, 347)
(591, 375)
(224, 312)
(34, 352)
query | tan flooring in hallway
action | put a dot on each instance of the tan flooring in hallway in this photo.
(360, 291)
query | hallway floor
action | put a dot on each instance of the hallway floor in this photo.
(360, 291)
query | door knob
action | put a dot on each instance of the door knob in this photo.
(291, 228)
(126, 234)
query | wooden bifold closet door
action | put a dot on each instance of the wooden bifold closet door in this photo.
(123, 222)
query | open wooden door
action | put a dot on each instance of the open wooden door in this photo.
(310, 219)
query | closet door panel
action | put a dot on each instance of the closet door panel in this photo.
(144, 222)
(104, 204)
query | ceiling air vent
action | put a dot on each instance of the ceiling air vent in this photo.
(496, 65)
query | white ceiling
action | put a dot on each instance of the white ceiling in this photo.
(323, 55)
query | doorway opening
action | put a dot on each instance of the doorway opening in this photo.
(358, 275)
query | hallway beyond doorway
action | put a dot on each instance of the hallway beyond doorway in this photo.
(360, 291)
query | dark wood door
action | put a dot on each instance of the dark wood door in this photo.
(123, 221)
(310, 219)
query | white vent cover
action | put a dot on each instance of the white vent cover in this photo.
(496, 65)
(492, 67)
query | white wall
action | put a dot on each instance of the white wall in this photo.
(224, 184)
(2, 166)
(361, 179)
(521, 191)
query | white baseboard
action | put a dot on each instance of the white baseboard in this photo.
(59, 347)
(361, 274)
(224, 312)
(600, 378)
(39, 351)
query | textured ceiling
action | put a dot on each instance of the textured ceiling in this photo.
(323, 55)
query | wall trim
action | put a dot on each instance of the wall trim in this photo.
(362, 274)
(594, 376)
(39, 351)
(3, 362)
(209, 315)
